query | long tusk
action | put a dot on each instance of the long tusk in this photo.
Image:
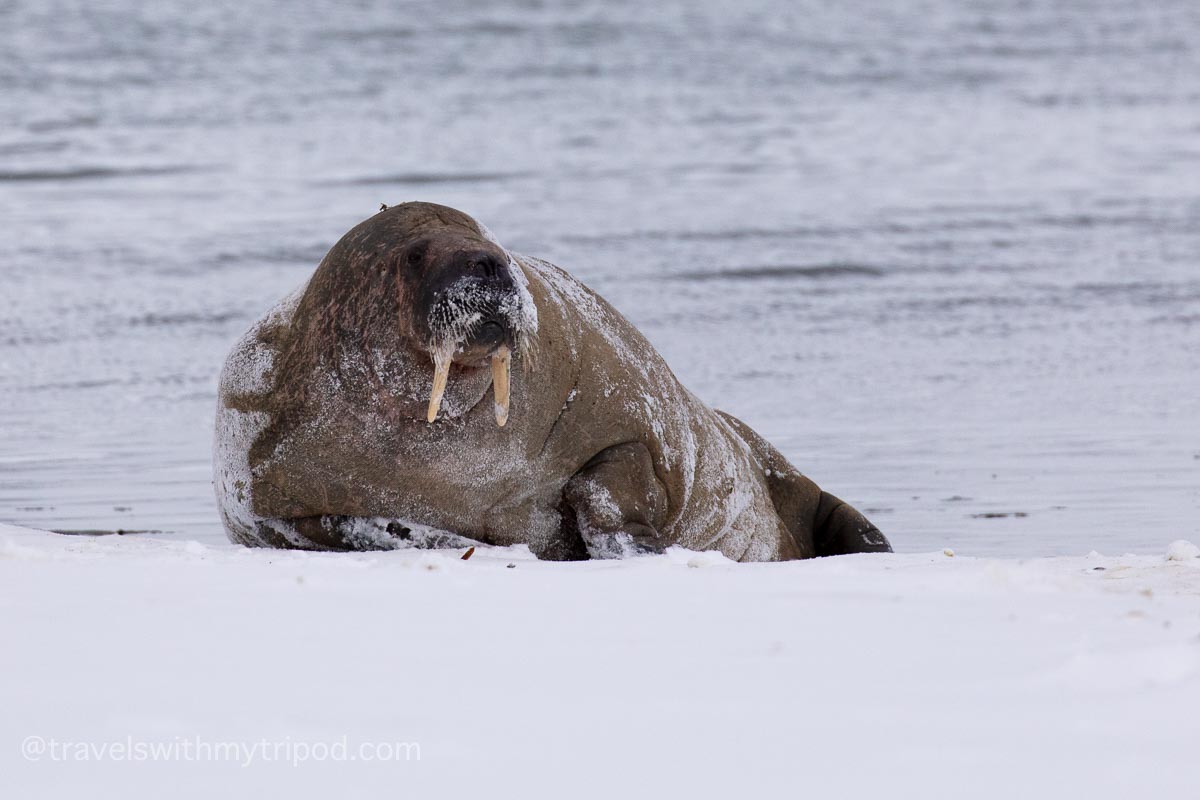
(441, 371)
(501, 364)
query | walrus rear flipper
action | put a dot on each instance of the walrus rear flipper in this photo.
(821, 524)
(838, 529)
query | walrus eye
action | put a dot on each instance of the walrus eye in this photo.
(416, 255)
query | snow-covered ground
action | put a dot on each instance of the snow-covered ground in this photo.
(684, 675)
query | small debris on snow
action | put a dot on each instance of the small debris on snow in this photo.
(195, 548)
(1182, 550)
(470, 552)
(706, 559)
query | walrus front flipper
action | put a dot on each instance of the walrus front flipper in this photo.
(820, 524)
(617, 503)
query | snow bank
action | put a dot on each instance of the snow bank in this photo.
(884, 676)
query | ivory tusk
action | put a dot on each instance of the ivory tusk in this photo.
(441, 371)
(501, 365)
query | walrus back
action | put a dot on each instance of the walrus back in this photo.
(242, 415)
(628, 393)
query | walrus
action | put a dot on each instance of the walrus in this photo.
(428, 388)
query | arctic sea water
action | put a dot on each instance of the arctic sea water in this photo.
(946, 255)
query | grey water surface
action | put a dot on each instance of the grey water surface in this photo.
(945, 254)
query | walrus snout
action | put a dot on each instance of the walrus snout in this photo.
(476, 309)
(472, 321)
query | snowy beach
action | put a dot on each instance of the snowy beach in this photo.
(907, 675)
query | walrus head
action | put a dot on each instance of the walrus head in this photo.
(467, 304)
(422, 283)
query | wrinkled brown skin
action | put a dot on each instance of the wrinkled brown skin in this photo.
(602, 444)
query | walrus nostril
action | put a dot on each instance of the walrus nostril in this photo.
(483, 266)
